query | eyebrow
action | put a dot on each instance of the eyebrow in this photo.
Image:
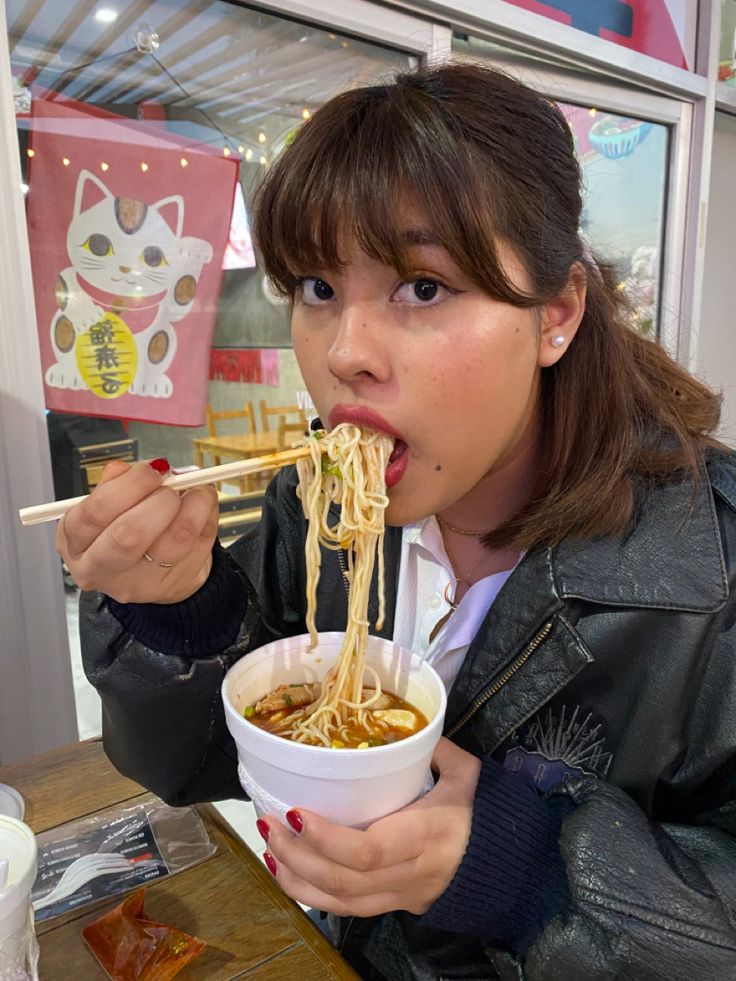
(420, 236)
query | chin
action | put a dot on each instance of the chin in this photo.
(398, 514)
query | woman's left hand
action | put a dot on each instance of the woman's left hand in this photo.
(403, 861)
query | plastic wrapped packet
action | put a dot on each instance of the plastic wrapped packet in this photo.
(131, 947)
(114, 851)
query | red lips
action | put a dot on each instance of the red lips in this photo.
(361, 415)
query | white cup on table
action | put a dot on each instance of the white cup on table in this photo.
(18, 945)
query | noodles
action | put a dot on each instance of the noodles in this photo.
(347, 468)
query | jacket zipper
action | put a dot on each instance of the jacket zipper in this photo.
(500, 682)
(343, 566)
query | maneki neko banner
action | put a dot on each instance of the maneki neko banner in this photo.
(127, 231)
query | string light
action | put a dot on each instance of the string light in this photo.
(241, 148)
(144, 166)
(263, 161)
(249, 154)
(592, 111)
(306, 114)
(30, 152)
(261, 137)
(343, 44)
(226, 151)
(66, 161)
(104, 166)
(106, 15)
(184, 162)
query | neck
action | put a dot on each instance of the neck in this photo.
(503, 490)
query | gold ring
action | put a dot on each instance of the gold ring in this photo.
(147, 557)
(167, 565)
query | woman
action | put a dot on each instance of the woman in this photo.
(561, 549)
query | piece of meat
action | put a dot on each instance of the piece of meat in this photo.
(382, 702)
(286, 696)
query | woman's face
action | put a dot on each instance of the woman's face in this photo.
(448, 371)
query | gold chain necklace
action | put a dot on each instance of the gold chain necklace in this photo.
(453, 584)
(461, 531)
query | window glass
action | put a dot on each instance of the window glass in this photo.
(179, 107)
(727, 53)
(143, 128)
(624, 160)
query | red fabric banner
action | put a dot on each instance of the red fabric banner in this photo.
(127, 229)
(255, 366)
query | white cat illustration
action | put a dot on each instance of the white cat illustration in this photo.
(131, 273)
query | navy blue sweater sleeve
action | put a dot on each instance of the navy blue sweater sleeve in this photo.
(512, 878)
(202, 625)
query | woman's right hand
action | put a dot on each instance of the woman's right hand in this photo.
(138, 541)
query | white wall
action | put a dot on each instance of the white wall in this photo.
(715, 360)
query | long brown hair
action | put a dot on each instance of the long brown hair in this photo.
(488, 160)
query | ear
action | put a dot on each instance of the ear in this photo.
(175, 208)
(560, 318)
(83, 187)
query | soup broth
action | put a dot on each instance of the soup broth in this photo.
(388, 720)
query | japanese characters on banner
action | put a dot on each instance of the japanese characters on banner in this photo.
(659, 28)
(128, 228)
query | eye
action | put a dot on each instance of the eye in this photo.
(153, 256)
(422, 292)
(99, 245)
(314, 291)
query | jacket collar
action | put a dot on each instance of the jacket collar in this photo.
(672, 559)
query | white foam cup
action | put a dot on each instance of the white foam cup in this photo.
(349, 786)
(18, 946)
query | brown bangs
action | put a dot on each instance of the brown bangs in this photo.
(387, 174)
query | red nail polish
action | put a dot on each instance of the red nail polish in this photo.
(270, 862)
(296, 821)
(263, 829)
(160, 465)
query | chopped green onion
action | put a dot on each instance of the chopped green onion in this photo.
(250, 710)
(288, 700)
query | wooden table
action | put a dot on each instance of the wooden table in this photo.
(252, 929)
(240, 446)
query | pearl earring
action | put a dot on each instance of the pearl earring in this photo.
(557, 341)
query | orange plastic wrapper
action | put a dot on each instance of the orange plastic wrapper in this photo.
(132, 948)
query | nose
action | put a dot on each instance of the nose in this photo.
(124, 269)
(358, 350)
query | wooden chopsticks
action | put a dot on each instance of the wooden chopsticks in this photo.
(239, 468)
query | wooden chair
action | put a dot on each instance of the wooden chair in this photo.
(245, 413)
(280, 410)
(289, 432)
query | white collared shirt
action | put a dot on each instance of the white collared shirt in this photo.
(425, 573)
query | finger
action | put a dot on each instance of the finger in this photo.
(310, 895)
(113, 469)
(121, 545)
(360, 869)
(195, 524)
(110, 499)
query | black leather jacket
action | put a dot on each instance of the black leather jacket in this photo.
(606, 670)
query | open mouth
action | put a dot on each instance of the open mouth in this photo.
(397, 463)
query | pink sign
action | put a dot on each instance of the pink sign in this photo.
(128, 228)
(652, 27)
